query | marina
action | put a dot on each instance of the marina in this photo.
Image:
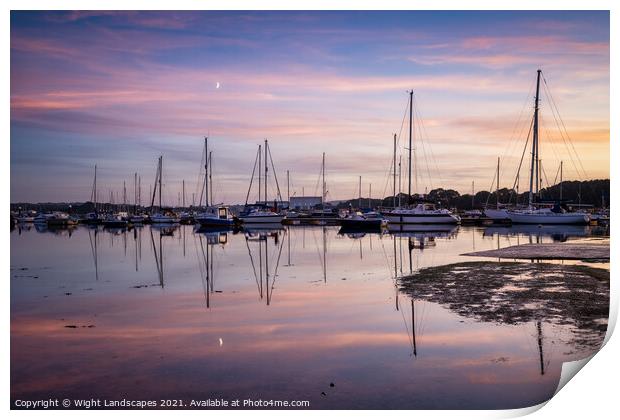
(308, 209)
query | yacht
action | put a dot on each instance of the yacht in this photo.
(534, 214)
(423, 213)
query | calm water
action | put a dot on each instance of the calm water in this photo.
(269, 315)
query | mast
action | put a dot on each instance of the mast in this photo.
(370, 196)
(540, 347)
(183, 193)
(135, 192)
(540, 175)
(266, 169)
(206, 172)
(394, 189)
(95, 190)
(260, 156)
(210, 178)
(497, 190)
(410, 140)
(139, 191)
(400, 184)
(288, 189)
(161, 167)
(323, 173)
(415, 349)
(359, 205)
(534, 162)
(561, 164)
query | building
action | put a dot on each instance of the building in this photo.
(305, 203)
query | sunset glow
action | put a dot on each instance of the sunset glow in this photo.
(118, 89)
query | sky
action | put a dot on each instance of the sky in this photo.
(119, 89)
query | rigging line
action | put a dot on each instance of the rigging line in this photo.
(519, 123)
(247, 244)
(200, 180)
(398, 146)
(557, 173)
(419, 115)
(316, 244)
(548, 90)
(275, 273)
(406, 328)
(554, 110)
(486, 204)
(545, 174)
(275, 176)
(205, 287)
(318, 181)
(422, 141)
(521, 163)
(247, 197)
(550, 139)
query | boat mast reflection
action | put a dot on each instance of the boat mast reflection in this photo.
(206, 259)
(264, 281)
(159, 258)
(93, 248)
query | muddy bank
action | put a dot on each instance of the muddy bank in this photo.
(555, 251)
(514, 293)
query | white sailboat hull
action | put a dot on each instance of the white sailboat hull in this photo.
(428, 219)
(496, 214)
(549, 218)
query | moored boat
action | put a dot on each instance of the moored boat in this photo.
(360, 223)
(423, 213)
(548, 216)
(534, 214)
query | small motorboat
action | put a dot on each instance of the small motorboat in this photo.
(359, 223)
(115, 221)
(215, 217)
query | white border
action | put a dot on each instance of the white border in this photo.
(591, 395)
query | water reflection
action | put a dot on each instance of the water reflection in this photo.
(534, 233)
(277, 313)
(516, 293)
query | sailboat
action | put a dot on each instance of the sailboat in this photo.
(422, 213)
(160, 217)
(212, 216)
(94, 218)
(498, 213)
(261, 213)
(534, 215)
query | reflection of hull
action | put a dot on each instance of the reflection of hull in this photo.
(25, 220)
(539, 218)
(157, 219)
(214, 222)
(115, 223)
(368, 225)
(263, 226)
(262, 219)
(423, 230)
(545, 230)
(165, 229)
(421, 218)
